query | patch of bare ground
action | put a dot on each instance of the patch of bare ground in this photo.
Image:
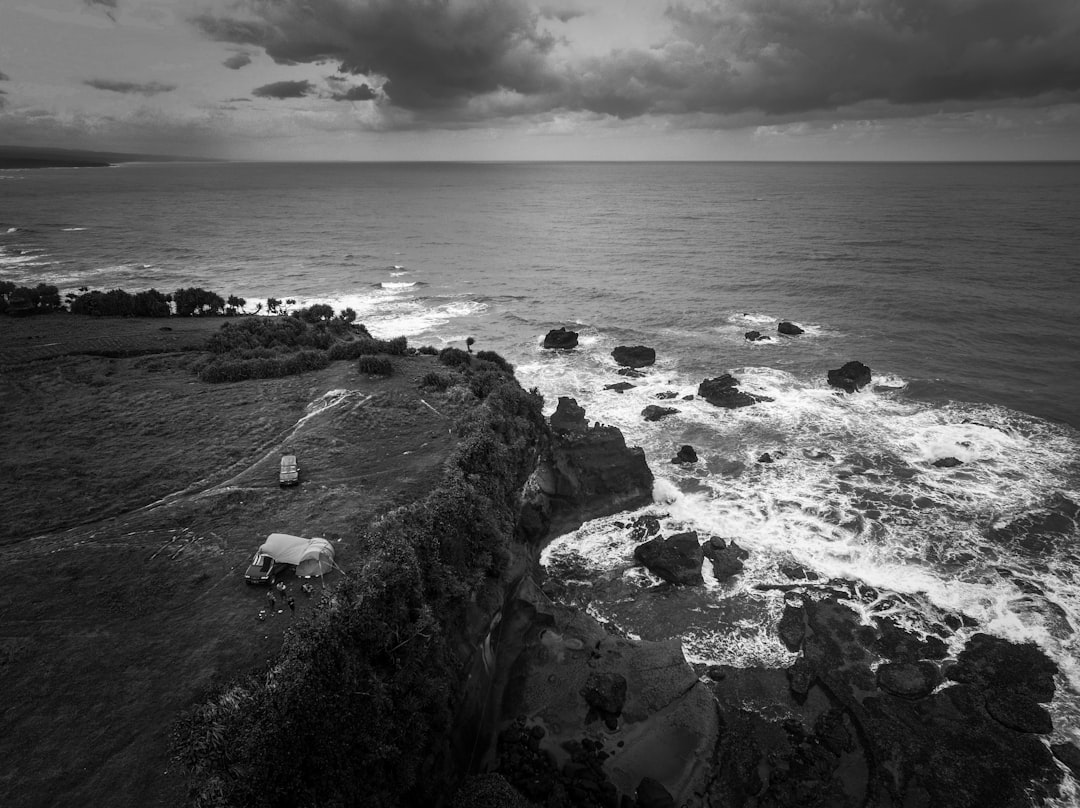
(135, 496)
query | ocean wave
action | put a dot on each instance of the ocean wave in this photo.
(392, 285)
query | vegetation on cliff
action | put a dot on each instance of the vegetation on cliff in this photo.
(356, 708)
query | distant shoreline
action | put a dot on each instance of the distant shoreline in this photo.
(30, 162)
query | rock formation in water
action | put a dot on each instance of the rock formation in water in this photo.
(723, 391)
(561, 339)
(850, 377)
(677, 559)
(789, 328)
(633, 356)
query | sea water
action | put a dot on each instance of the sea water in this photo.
(957, 284)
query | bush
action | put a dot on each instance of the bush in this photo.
(454, 357)
(427, 350)
(197, 301)
(491, 356)
(437, 381)
(228, 369)
(39, 299)
(375, 366)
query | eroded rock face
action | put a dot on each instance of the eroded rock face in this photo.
(676, 559)
(723, 391)
(634, 356)
(561, 339)
(850, 377)
(587, 472)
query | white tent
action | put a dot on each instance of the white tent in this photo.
(309, 556)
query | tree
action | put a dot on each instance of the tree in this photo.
(469, 343)
(317, 313)
(348, 315)
(195, 300)
(235, 303)
(272, 304)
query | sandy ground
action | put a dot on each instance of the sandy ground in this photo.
(134, 497)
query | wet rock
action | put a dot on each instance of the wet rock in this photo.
(765, 457)
(644, 526)
(1042, 529)
(667, 394)
(796, 572)
(850, 377)
(800, 678)
(789, 328)
(561, 339)
(633, 374)
(909, 680)
(726, 557)
(652, 794)
(900, 645)
(677, 559)
(1019, 711)
(687, 398)
(686, 454)
(636, 356)
(755, 336)
(620, 387)
(993, 664)
(587, 472)
(654, 412)
(605, 693)
(947, 463)
(1069, 754)
(723, 391)
(792, 627)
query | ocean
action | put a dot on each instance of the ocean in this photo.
(958, 285)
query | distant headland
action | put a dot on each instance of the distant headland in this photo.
(39, 157)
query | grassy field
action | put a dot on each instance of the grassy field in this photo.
(134, 497)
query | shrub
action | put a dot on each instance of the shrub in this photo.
(196, 300)
(437, 381)
(427, 350)
(227, 369)
(375, 366)
(491, 356)
(39, 299)
(454, 357)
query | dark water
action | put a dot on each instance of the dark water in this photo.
(957, 284)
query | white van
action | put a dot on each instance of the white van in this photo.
(290, 471)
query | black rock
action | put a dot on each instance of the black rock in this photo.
(723, 391)
(633, 374)
(687, 398)
(765, 457)
(569, 416)
(686, 454)
(620, 387)
(910, 680)
(652, 794)
(792, 627)
(755, 336)
(561, 339)
(644, 526)
(992, 664)
(727, 558)
(947, 463)
(667, 394)
(850, 377)
(1017, 710)
(677, 559)
(789, 328)
(655, 412)
(1069, 754)
(636, 356)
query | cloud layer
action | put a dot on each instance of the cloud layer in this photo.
(130, 87)
(463, 60)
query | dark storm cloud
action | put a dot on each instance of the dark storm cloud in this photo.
(237, 60)
(434, 54)
(361, 92)
(785, 57)
(130, 87)
(444, 60)
(284, 89)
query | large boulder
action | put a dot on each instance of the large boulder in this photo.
(909, 680)
(655, 412)
(723, 391)
(676, 559)
(686, 454)
(850, 377)
(789, 328)
(633, 356)
(726, 557)
(587, 471)
(561, 339)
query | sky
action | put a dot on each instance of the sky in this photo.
(545, 79)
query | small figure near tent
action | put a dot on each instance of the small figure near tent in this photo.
(307, 589)
(281, 588)
(292, 605)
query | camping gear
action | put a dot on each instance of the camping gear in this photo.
(311, 557)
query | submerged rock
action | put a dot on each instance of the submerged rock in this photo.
(755, 336)
(667, 394)
(636, 356)
(723, 391)
(620, 387)
(644, 526)
(789, 328)
(850, 377)
(654, 412)
(630, 372)
(561, 339)
(947, 463)
(676, 559)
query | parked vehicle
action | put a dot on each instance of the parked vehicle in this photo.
(262, 569)
(290, 471)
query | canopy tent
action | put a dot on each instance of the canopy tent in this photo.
(309, 556)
